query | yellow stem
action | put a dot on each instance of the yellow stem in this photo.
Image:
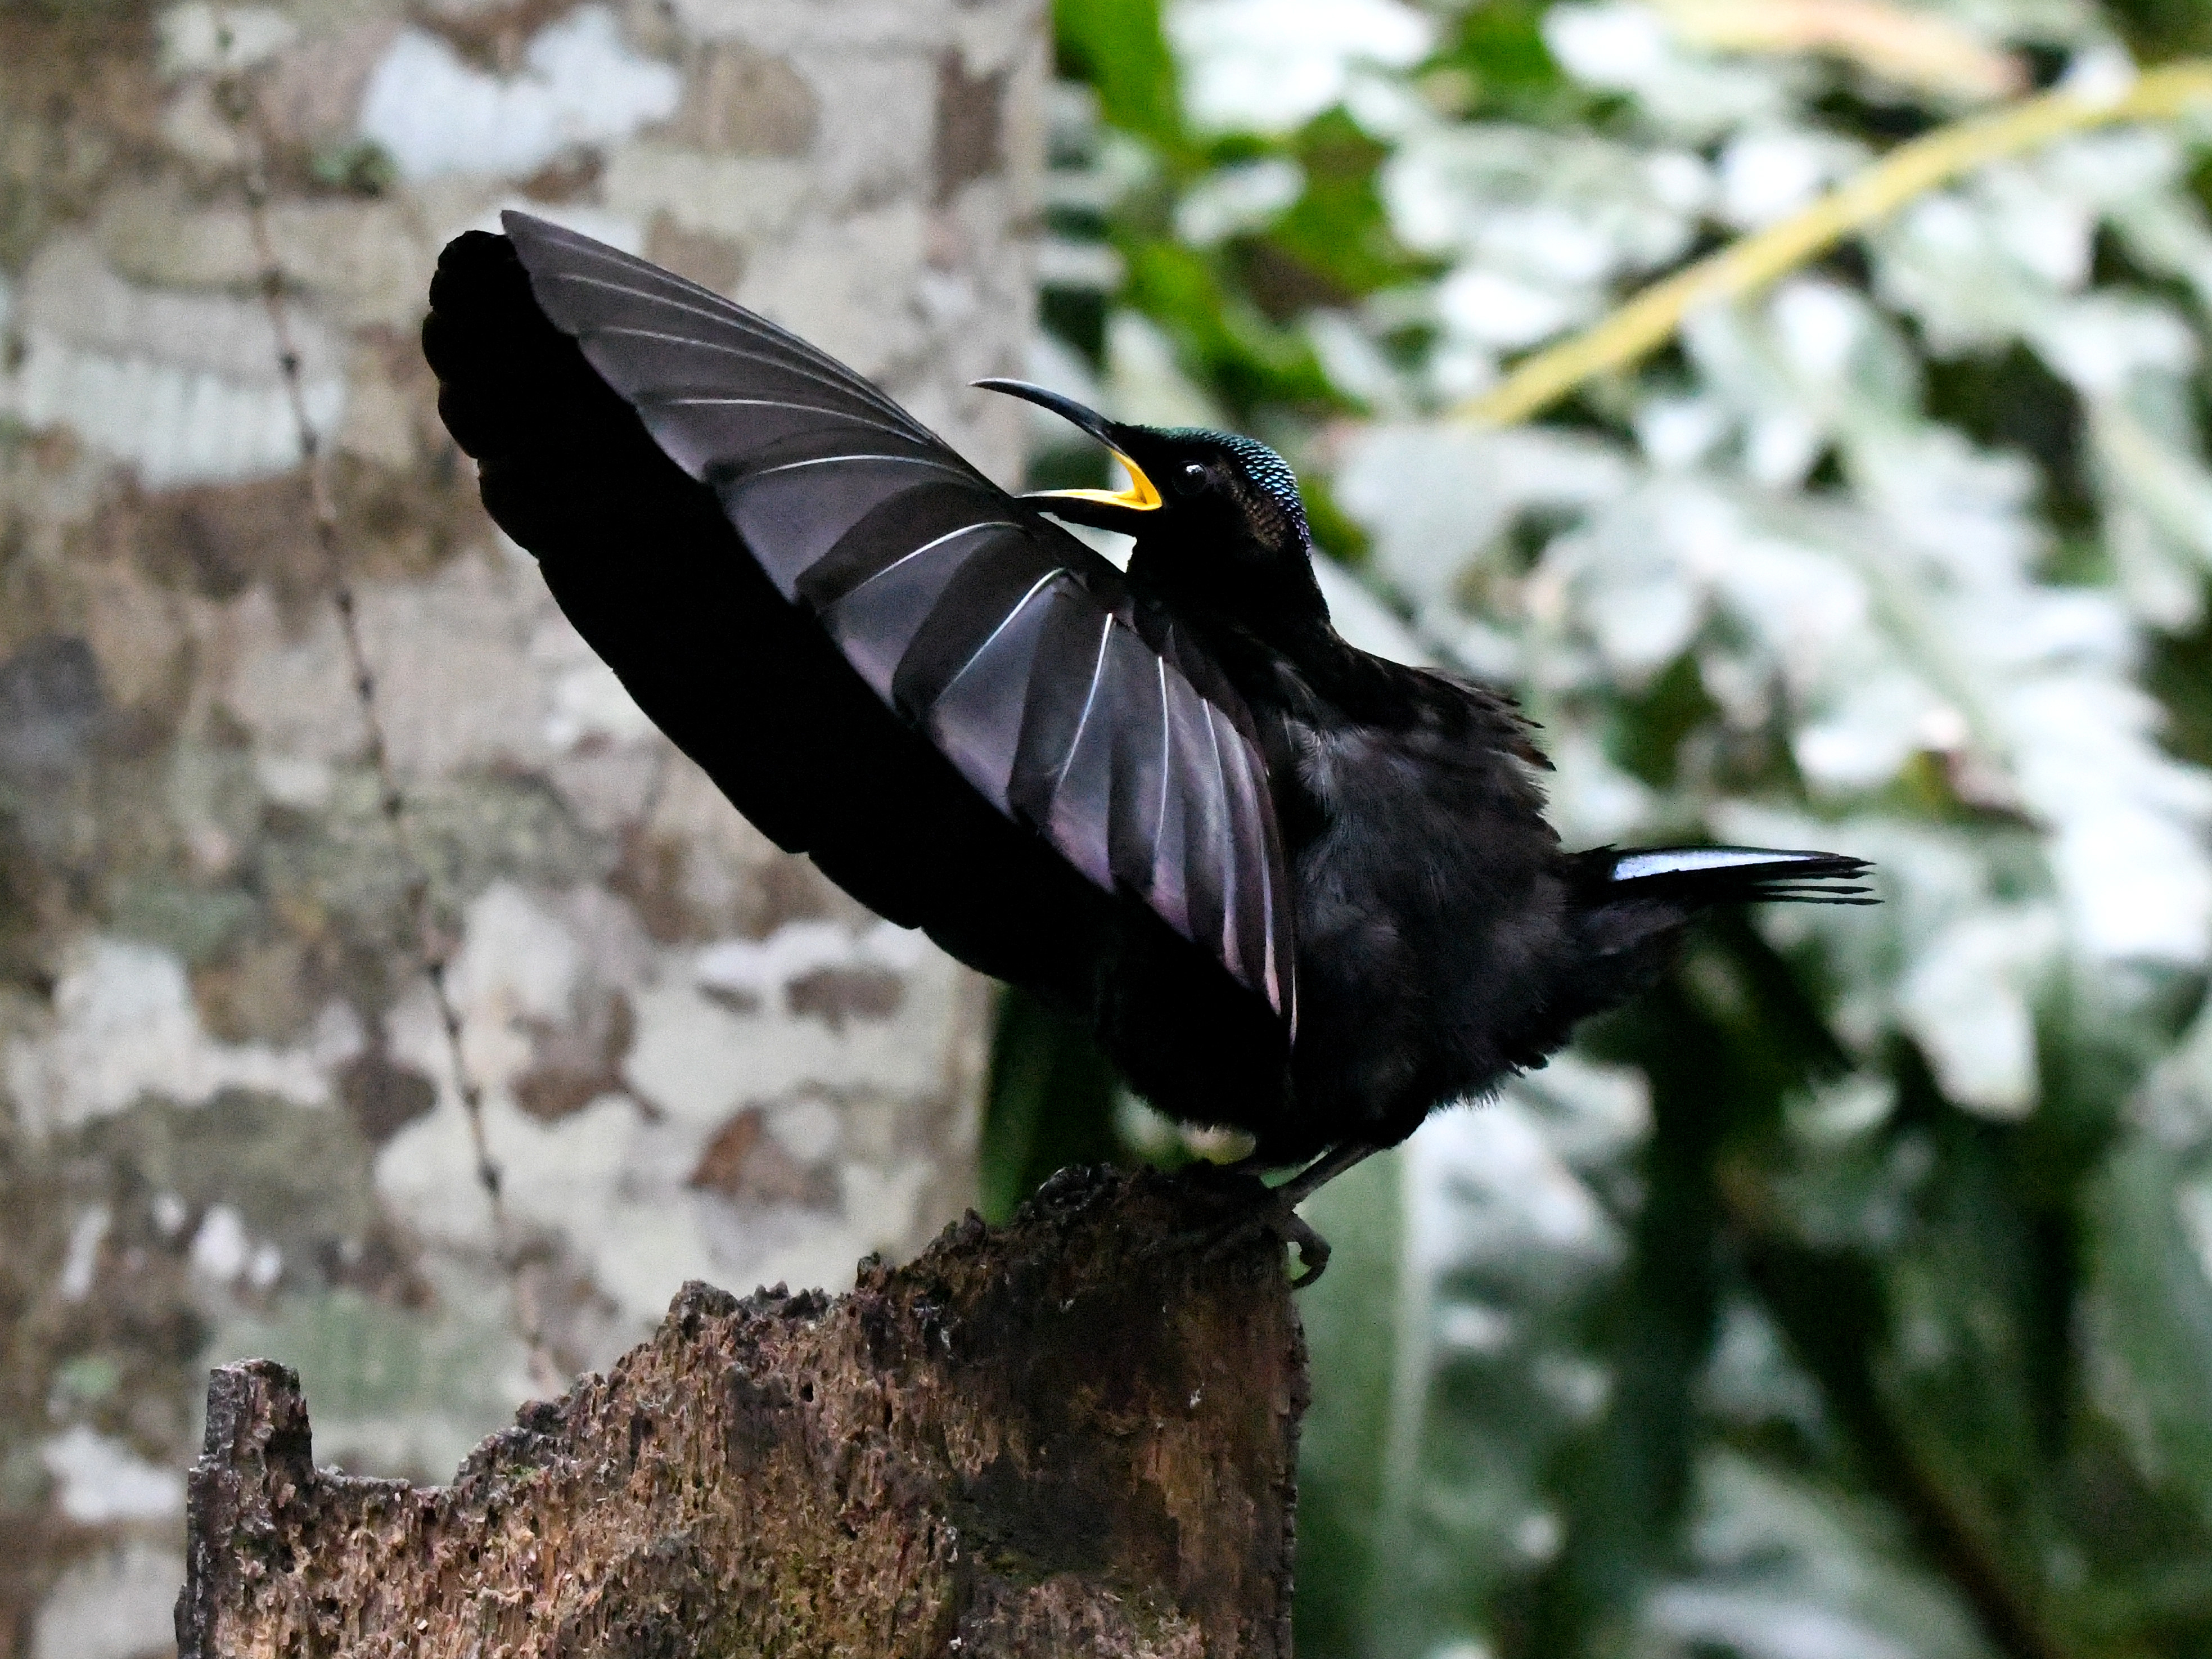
(1646, 322)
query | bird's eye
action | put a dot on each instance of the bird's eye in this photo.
(1190, 478)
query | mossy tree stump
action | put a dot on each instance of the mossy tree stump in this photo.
(1070, 1437)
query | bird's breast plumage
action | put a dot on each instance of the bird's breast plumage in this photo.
(1430, 902)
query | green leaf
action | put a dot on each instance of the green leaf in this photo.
(1899, 1361)
(1117, 48)
(1351, 1321)
(2152, 1314)
(1789, 1568)
(1049, 1103)
(1337, 229)
(1450, 1369)
(1222, 334)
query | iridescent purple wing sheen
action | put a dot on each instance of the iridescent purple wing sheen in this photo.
(1017, 650)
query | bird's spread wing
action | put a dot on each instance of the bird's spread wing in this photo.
(1016, 650)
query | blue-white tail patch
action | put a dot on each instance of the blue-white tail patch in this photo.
(1703, 876)
(1686, 860)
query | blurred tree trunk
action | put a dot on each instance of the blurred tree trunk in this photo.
(230, 1122)
(1061, 1438)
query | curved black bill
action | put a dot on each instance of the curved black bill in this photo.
(1141, 496)
(1067, 408)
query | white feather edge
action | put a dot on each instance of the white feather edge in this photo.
(1681, 861)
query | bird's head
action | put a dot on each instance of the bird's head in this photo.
(1217, 517)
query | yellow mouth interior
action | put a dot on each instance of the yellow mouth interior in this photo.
(1140, 496)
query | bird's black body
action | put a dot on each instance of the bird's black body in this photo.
(1291, 886)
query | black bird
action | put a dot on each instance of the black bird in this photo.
(1291, 886)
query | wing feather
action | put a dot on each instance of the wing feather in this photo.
(579, 301)
(791, 514)
(996, 579)
(1135, 721)
(712, 327)
(1214, 869)
(1056, 706)
(699, 429)
(1078, 816)
(670, 359)
(1021, 654)
(977, 718)
(876, 623)
(1186, 878)
(895, 529)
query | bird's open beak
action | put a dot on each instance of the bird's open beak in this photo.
(1141, 496)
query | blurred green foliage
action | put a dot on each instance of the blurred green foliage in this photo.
(1851, 1297)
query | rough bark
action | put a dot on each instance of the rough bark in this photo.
(1076, 1436)
(231, 1121)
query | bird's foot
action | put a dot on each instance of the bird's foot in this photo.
(1282, 1222)
(1260, 1210)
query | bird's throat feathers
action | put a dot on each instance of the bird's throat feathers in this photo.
(1226, 590)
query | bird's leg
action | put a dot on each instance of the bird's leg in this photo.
(1277, 1210)
(1322, 1170)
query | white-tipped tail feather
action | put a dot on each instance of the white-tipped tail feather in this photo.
(1700, 876)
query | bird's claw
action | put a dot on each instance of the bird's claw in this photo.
(1312, 1248)
(1271, 1214)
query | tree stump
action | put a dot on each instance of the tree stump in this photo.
(1075, 1435)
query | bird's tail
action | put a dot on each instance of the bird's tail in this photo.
(1698, 877)
(1630, 907)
